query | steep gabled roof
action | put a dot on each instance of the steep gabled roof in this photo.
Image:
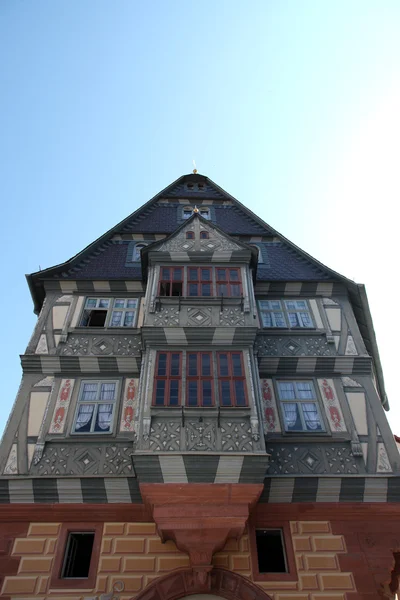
(237, 220)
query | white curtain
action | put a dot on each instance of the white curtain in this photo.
(104, 415)
(290, 414)
(311, 416)
(84, 417)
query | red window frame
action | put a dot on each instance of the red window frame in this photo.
(190, 235)
(228, 282)
(204, 235)
(199, 281)
(230, 378)
(167, 378)
(199, 378)
(170, 281)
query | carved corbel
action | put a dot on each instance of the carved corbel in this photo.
(255, 428)
(146, 427)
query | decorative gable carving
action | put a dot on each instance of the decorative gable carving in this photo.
(215, 241)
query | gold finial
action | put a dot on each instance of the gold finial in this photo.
(195, 210)
(195, 169)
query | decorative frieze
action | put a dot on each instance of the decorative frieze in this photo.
(294, 346)
(201, 435)
(84, 459)
(165, 435)
(236, 436)
(62, 406)
(94, 345)
(293, 459)
(167, 316)
(232, 316)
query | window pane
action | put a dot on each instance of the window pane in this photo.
(290, 305)
(267, 319)
(192, 393)
(293, 320)
(175, 364)
(222, 289)
(91, 303)
(116, 318)
(103, 418)
(264, 304)
(205, 274)
(176, 289)
(279, 319)
(233, 275)
(225, 393)
(192, 276)
(84, 418)
(275, 305)
(89, 391)
(104, 303)
(306, 319)
(237, 365)
(207, 396)
(292, 417)
(131, 303)
(205, 364)
(160, 393)
(304, 390)
(162, 364)
(223, 365)
(192, 365)
(165, 273)
(174, 393)
(178, 274)
(311, 416)
(239, 391)
(165, 289)
(286, 391)
(221, 274)
(129, 318)
(235, 290)
(206, 289)
(119, 303)
(193, 289)
(301, 305)
(107, 391)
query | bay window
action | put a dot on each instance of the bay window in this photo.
(200, 281)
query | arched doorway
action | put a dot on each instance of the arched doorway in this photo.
(220, 583)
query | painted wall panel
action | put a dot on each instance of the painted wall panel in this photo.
(316, 314)
(358, 409)
(331, 404)
(37, 406)
(129, 406)
(41, 347)
(383, 464)
(335, 318)
(62, 405)
(77, 311)
(11, 467)
(59, 316)
(270, 411)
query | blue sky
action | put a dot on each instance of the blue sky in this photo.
(292, 107)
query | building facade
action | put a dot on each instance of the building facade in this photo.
(201, 412)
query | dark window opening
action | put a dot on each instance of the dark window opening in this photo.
(270, 551)
(204, 235)
(190, 235)
(93, 318)
(78, 555)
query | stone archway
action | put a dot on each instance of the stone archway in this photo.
(185, 582)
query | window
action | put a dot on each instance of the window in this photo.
(231, 379)
(190, 235)
(96, 407)
(199, 379)
(299, 406)
(136, 251)
(167, 379)
(187, 212)
(200, 371)
(204, 235)
(286, 313)
(205, 213)
(78, 554)
(117, 312)
(171, 281)
(199, 281)
(228, 282)
(270, 551)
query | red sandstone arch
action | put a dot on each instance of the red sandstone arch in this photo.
(185, 582)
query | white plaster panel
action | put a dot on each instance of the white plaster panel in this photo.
(337, 340)
(316, 314)
(383, 464)
(57, 339)
(77, 311)
(31, 450)
(37, 406)
(41, 347)
(11, 467)
(364, 447)
(101, 286)
(141, 313)
(68, 286)
(59, 316)
(358, 409)
(350, 346)
(334, 316)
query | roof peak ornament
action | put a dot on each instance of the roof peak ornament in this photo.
(195, 167)
(195, 210)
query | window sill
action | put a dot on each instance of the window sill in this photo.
(105, 330)
(207, 411)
